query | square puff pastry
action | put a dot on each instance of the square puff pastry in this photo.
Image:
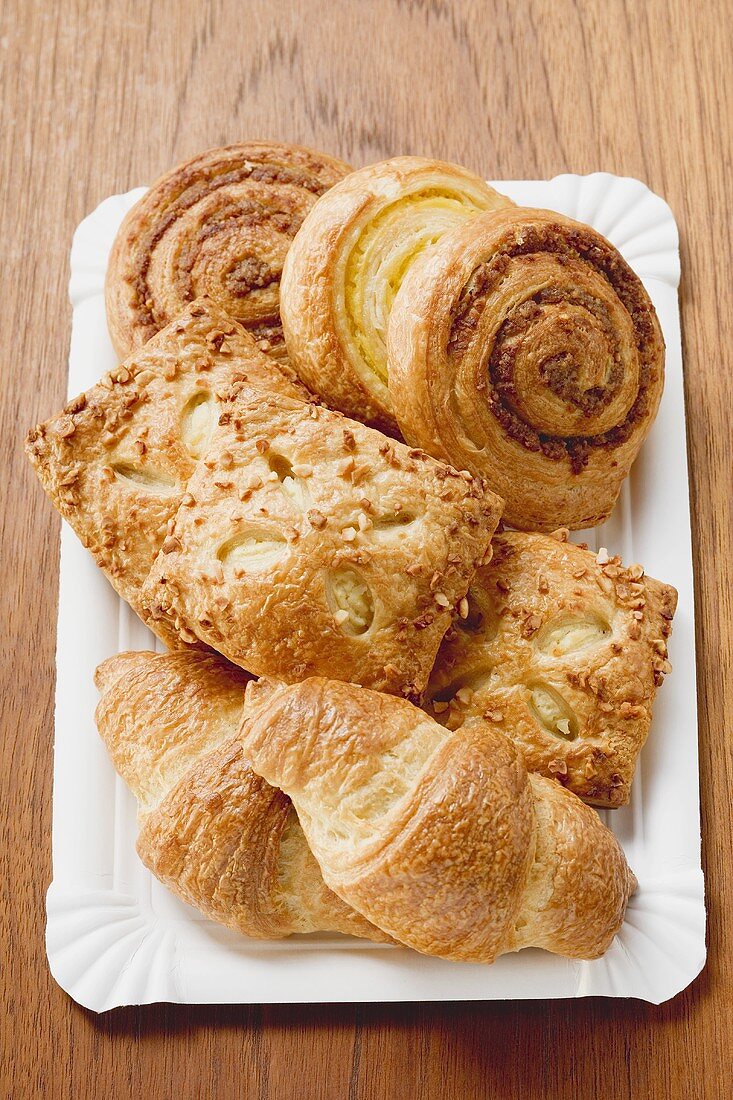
(564, 649)
(116, 460)
(309, 544)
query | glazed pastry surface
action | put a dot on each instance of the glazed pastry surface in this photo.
(564, 651)
(523, 347)
(210, 829)
(347, 263)
(116, 461)
(219, 225)
(308, 543)
(440, 838)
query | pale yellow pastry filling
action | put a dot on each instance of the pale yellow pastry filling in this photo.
(350, 600)
(386, 249)
(570, 635)
(198, 420)
(552, 712)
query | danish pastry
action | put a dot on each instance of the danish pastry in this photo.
(562, 649)
(346, 265)
(308, 543)
(441, 839)
(523, 347)
(116, 460)
(210, 829)
(218, 225)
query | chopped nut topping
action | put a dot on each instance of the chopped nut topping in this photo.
(442, 600)
(602, 557)
(463, 608)
(348, 534)
(262, 446)
(302, 469)
(317, 519)
(531, 625)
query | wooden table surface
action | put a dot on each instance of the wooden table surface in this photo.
(98, 97)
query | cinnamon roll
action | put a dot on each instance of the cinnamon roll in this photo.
(347, 263)
(524, 348)
(219, 225)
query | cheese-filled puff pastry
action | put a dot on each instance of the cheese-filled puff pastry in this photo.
(525, 349)
(347, 263)
(116, 460)
(218, 225)
(308, 543)
(564, 650)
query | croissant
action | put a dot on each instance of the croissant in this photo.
(441, 839)
(116, 460)
(523, 347)
(210, 829)
(346, 264)
(564, 650)
(217, 225)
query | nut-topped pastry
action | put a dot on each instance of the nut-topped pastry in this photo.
(564, 650)
(116, 460)
(308, 543)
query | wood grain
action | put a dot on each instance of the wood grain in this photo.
(99, 97)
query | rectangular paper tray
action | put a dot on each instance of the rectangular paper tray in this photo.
(116, 937)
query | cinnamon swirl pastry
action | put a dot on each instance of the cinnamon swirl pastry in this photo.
(347, 263)
(218, 225)
(524, 349)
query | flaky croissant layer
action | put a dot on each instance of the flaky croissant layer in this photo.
(441, 839)
(211, 830)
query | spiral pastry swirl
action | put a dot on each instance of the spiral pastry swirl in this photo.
(347, 264)
(524, 349)
(218, 225)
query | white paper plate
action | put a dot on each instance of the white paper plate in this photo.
(116, 937)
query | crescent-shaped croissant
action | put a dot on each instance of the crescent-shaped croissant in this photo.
(210, 829)
(347, 263)
(440, 838)
(523, 348)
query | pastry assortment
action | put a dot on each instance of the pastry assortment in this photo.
(338, 393)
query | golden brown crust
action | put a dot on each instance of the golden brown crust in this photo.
(440, 838)
(210, 829)
(311, 544)
(116, 461)
(347, 262)
(220, 225)
(524, 342)
(564, 651)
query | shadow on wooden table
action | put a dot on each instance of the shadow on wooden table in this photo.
(497, 1049)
